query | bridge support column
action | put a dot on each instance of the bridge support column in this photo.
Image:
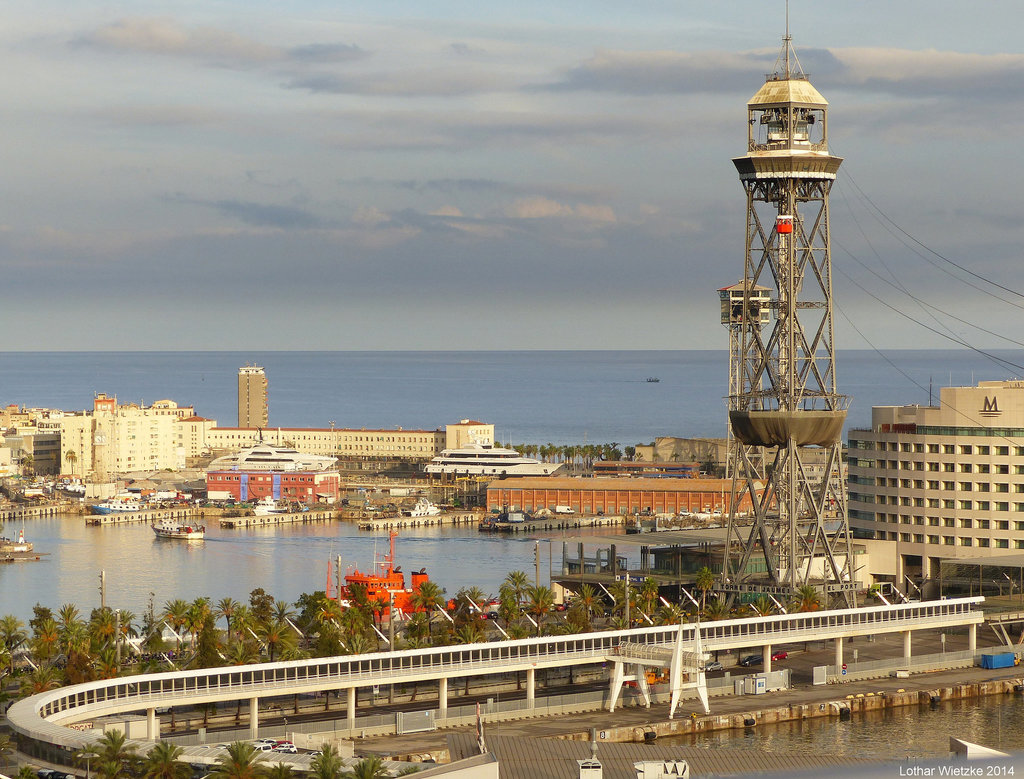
(152, 726)
(906, 644)
(972, 637)
(531, 688)
(766, 658)
(351, 708)
(442, 697)
(254, 717)
(839, 652)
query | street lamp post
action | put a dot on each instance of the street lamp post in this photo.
(87, 756)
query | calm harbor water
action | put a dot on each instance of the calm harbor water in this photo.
(285, 561)
(910, 733)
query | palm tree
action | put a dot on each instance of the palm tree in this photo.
(326, 765)
(28, 465)
(648, 595)
(39, 680)
(429, 596)
(45, 642)
(705, 582)
(164, 762)
(282, 611)
(176, 615)
(115, 756)
(107, 665)
(716, 608)
(277, 636)
(371, 767)
(226, 608)
(807, 598)
(539, 601)
(518, 581)
(279, 771)
(12, 633)
(242, 761)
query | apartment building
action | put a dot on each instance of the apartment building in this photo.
(942, 481)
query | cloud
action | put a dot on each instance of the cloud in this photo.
(166, 37)
(897, 71)
(420, 82)
(327, 52)
(545, 208)
(258, 214)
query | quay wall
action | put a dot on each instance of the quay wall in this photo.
(267, 520)
(146, 515)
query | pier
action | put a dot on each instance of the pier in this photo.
(554, 522)
(146, 515)
(268, 520)
(15, 513)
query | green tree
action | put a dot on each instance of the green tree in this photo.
(226, 608)
(242, 761)
(705, 583)
(539, 601)
(164, 761)
(429, 597)
(326, 765)
(12, 633)
(371, 767)
(807, 599)
(262, 604)
(279, 771)
(518, 581)
(115, 756)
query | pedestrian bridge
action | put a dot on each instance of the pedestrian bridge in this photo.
(45, 720)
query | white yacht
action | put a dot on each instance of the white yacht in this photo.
(488, 460)
(265, 457)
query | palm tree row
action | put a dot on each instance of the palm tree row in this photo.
(584, 455)
(66, 648)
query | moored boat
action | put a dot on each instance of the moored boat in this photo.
(423, 508)
(266, 506)
(171, 528)
(116, 506)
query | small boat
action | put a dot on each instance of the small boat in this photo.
(423, 508)
(170, 528)
(653, 379)
(267, 506)
(116, 506)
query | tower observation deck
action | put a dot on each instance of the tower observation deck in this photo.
(783, 397)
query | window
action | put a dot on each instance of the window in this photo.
(966, 523)
(982, 468)
(965, 468)
(933, 539)
(966, 541)
(933, 485)
(933, 448)
(918, 538)
(1002, 505)
(983, 524)
(983, 542)
(966, 449)
(948, 522)
(966, 505)
(948, 467)
(984, 505)
(966, 486)
(949, 540)
(1002, 469)
(933, 466)
(948, 449)
(1002, 543)
(1002, 524)
(948, 485)
(983, 450)
(1002, 487)
(1003, 451)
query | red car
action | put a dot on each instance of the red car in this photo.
(780, 655)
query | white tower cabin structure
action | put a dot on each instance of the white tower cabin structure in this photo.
(783, 396)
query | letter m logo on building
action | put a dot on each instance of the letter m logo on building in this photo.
(990, 408)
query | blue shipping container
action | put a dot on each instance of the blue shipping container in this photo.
(1004, 660)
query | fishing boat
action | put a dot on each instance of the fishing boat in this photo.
(171, 528)
(384, 585)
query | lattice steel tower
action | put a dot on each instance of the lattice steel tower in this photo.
(784, 397)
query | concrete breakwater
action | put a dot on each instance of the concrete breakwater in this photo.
(841, 708)
(268, 520)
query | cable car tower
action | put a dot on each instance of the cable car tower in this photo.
(783, 401)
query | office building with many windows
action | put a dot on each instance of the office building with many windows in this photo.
(943, 481)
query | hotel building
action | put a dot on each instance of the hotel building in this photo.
(252, 397)
(942, 481)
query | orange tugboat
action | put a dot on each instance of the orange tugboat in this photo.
(381, 587)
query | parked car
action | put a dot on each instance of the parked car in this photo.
(286, 748)
(780, 655)
(714, 665)
(750, 660)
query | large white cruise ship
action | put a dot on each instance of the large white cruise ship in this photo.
(487, 460)
(264, 457)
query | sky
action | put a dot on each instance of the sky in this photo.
(456, 175)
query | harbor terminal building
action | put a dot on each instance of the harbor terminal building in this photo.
(945, 482)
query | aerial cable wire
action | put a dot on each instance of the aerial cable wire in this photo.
(905, 315)
(889, 221)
